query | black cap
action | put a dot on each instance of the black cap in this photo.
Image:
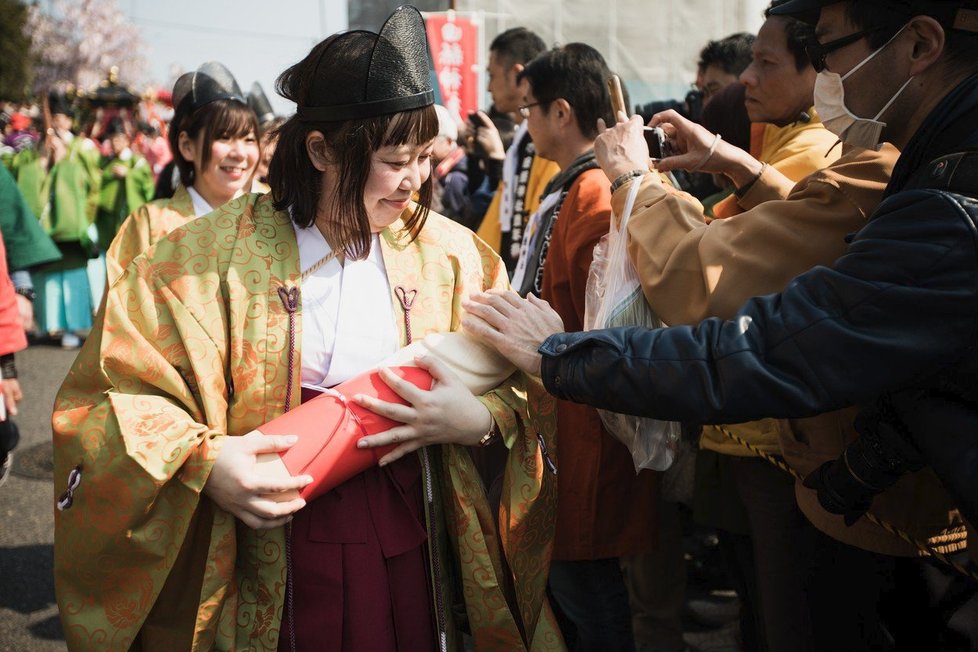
(212, 81)
(389, 75)
(58, 102)
(259, 103)
(956, 14)
(115, 126)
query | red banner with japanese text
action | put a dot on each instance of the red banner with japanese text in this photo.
(454, 42)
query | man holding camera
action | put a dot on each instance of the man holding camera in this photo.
(890, 327)
(565, 93)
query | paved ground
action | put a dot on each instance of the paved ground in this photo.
(28, 615)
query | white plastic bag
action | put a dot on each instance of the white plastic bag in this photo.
(613, 298)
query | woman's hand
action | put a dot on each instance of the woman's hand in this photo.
(26, 309)
(693, 143)
(448, 413)
(237, 487)
(12, 395)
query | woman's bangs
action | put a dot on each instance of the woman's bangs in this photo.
(413, 127)
(234, 120)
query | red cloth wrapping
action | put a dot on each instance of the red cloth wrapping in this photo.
(330, 425)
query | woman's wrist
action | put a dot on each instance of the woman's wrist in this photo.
(480, 435)
(491, 434)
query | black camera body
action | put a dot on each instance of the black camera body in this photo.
(474, 124)
(655, 138)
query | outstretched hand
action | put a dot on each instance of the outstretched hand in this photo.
(514, 326)
(237, 487)
(447, 413)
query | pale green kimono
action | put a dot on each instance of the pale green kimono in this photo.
(197, 342)
(120, 197)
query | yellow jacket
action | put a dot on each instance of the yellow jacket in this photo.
(542, 170)
(796, 150)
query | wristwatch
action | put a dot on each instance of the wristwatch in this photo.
(490, 436)
(28, 293)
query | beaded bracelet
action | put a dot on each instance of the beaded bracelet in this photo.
(625, 178)
(741, 191)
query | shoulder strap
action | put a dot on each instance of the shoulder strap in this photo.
(956, 173)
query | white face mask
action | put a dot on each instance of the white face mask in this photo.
(830, 104)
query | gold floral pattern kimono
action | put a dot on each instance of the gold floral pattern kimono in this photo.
(144, 227)
(200, 338)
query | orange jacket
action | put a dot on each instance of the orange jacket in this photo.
(603, 508)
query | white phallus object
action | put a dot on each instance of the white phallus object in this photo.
(479, 367)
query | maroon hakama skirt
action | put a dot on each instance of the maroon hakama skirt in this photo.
(359, 567)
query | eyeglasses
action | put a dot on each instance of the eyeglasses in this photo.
(525, 109)
(818, 51)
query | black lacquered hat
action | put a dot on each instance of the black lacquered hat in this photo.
(956, 14)
(212, 81)
(259, 103)
(115, 127)
(59, 102)
(388, 72)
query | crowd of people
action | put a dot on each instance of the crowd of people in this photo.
(219, 266)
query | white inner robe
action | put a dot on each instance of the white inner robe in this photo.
(348, 323)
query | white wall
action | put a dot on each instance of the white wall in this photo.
(652, 44)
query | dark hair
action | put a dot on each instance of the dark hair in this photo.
(726, 114)
(731, 54)
(517, 45)
(960, 47)
(799, 34)
(577, 73)
(296, 183)
(271, 126)
(218, 119)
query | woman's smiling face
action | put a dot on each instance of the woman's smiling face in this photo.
(229, 167)
(396, 173)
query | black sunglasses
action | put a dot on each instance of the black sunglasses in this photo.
(818, 51)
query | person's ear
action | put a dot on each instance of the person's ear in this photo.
(317, 150)
(928, 43)
(186, 146)
(515, 71)
(562, 109)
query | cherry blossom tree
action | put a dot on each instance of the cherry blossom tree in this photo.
(77, 41)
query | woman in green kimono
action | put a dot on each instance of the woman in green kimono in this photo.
(166, 536)
(213, 137)
(60, 182)
(127, 184)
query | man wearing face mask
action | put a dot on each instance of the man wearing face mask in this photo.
(791, 553)
(890, 327)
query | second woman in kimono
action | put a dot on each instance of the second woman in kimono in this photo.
(214, 139)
